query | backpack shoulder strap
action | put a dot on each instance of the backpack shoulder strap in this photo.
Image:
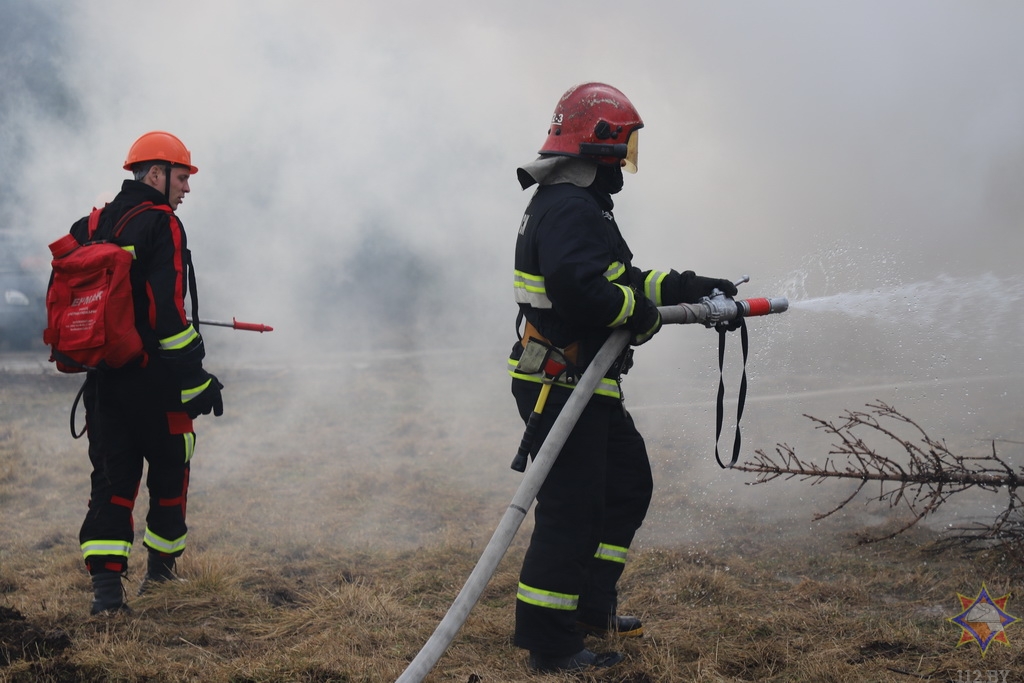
(135, 211)
(94, 221)
(94, 217)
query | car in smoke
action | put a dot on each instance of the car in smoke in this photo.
(23, 276)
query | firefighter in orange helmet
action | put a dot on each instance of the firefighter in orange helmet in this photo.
(575, 283)
(158, 146)
(143, 413)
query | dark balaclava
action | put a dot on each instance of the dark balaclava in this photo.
(609, 178)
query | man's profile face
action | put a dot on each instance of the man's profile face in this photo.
(179, 186)
(179, 183)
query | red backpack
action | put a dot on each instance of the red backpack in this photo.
(89, 306)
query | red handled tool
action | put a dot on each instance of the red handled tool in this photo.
(552, 369)
(236, 325)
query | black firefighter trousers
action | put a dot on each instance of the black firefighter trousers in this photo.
(595, 496)
(129, 423)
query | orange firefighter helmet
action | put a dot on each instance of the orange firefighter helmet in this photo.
(159, 146)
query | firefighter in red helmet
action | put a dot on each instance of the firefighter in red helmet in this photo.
(142, 413)
(575, 283)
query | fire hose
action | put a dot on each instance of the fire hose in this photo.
(713, 311)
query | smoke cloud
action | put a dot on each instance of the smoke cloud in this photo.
(357, 184)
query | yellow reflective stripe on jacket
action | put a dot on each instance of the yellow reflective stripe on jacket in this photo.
(131, 250)
(612, 553)
(180, 340)
(118, 548)
(652, 286)
(614, 271)
(163, 545)
(549, 599)
(606, 387)
(530, 289)
(628, 306)
(189, 394)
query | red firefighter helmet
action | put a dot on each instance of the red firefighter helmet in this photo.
(159, 146)
(595, 121)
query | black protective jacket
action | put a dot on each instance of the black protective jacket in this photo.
(574, 277)
(159, 278)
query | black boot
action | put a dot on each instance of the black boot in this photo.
(108, 594)
(625, 626)
(584, 659)
(159, 570)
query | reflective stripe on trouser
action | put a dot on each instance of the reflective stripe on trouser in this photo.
(588, 509)
(612, 553)
(128, 426)
(189, 445)
(106, 548)
(163, 545)
(548, 599)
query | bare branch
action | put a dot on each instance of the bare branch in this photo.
(921, 481)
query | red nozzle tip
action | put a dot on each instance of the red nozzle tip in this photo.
(759, 306)
(251, 327)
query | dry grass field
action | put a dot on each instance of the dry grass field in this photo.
(334, 515)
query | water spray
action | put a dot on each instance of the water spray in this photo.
(716, 310)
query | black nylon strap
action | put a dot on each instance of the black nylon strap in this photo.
(193, 290)
(119, 226)
(74, 408)
(742, 399)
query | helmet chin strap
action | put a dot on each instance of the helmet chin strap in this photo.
(167, 183)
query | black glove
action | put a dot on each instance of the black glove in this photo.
(208, 400)
(645, 321)
(693, 288)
